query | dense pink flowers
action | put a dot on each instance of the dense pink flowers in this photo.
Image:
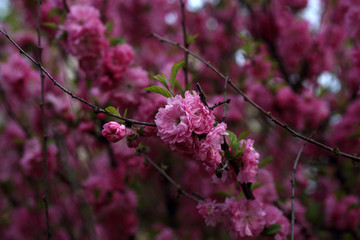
(172, 122)
(113, 131)
(246, 218)
(249, 162)
(183, 116)
(208, 150)
(180, 124)
(201, 119)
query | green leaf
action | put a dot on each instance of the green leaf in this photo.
(116, 40)
(54, 12)
(50, 25)
(112, 110)
(353, 206)
(174, 70)
(234, 144)
(159, 90)
(162, 79)
(266, 161)
(125, 112)
(61, 36)
(109, 27)
(256, 185)
(178, 85)
(191, 38)
(243, 135)
(223, 193)
(356, 134)
(272, 229)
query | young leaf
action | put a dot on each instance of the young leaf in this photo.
(159, 90)
(174, 70)
(178, 85)
(162, 79)
(125, 112)
(243, 135)
(50, 25)
(109, 27)
(272, 229)
(116, 40)
(191, 38)
(353, 206)
(264, 162)
(234, 144)
(112, 110)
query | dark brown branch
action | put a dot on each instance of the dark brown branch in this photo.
(44, 127)
(334, 150)
(96, 108)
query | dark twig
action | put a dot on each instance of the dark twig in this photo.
(180, 190)
(225, 87)
(334, 150)
(202, 95)
(293, 188)
(227, 101)
(66, 6)
(186, 43)
(44, 126)
(96, 108)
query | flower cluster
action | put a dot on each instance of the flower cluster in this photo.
(187, 126)
(244, 219)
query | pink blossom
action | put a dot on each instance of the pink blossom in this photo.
(200, 117)
(208, 150)
(246, 218)
(172, 122)
(113, 131)
(85, 32)
(249, 162)
(267, 191)
(210, 211)
(129, 88)
(275, 216)
(117, 59)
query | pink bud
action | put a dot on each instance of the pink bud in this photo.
(113, 131)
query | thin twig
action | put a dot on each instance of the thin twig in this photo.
(293, 189)
(71, 179)
(227, 101)
(186, 43)
(180, 190)
(66, 6)
(202, 95)
(225, 86)
(44, 126)
(334, 150)
(96, 108)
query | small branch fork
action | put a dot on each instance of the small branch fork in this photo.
(334, 150)
(44, 127)
(96, 108)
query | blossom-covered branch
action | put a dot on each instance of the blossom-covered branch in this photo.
(334, 150)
